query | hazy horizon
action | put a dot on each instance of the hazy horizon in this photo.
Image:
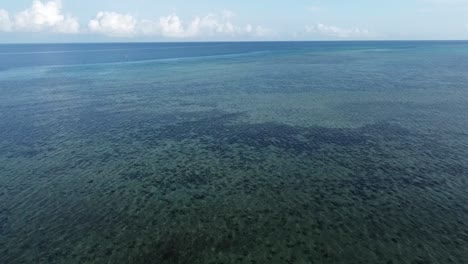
(232, 41)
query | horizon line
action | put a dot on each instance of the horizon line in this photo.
(233, 41)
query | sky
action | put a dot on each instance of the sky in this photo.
(23, 21)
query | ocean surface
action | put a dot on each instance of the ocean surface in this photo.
(274, 152)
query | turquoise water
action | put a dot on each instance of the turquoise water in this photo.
(314, 152)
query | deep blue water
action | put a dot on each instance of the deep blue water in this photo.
(28, 55)
(266, 152)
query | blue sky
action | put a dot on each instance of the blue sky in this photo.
(210, 20)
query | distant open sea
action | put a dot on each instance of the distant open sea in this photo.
(249, 152)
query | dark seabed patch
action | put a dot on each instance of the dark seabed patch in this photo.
(205, 187)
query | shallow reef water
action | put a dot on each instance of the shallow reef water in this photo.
(236, 153)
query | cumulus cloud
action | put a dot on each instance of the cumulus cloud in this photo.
(5, 22)
(212, 25)
(113, 24)
(259, 31)
(172, 26)
(45, 17)
(337, 32)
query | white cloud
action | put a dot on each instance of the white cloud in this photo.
(259, 31)
(337, 32)
(212, 25)
(171, 26)
(5, 22)
(45, 17)
(113, 24)
(148, 27)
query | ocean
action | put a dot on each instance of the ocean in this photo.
(240, 152)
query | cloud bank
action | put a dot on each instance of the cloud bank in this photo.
(172, 26)
(5, 22)
(211, 25)
(48, 16)
(113, 24)
(40, 17)
(337, 32)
